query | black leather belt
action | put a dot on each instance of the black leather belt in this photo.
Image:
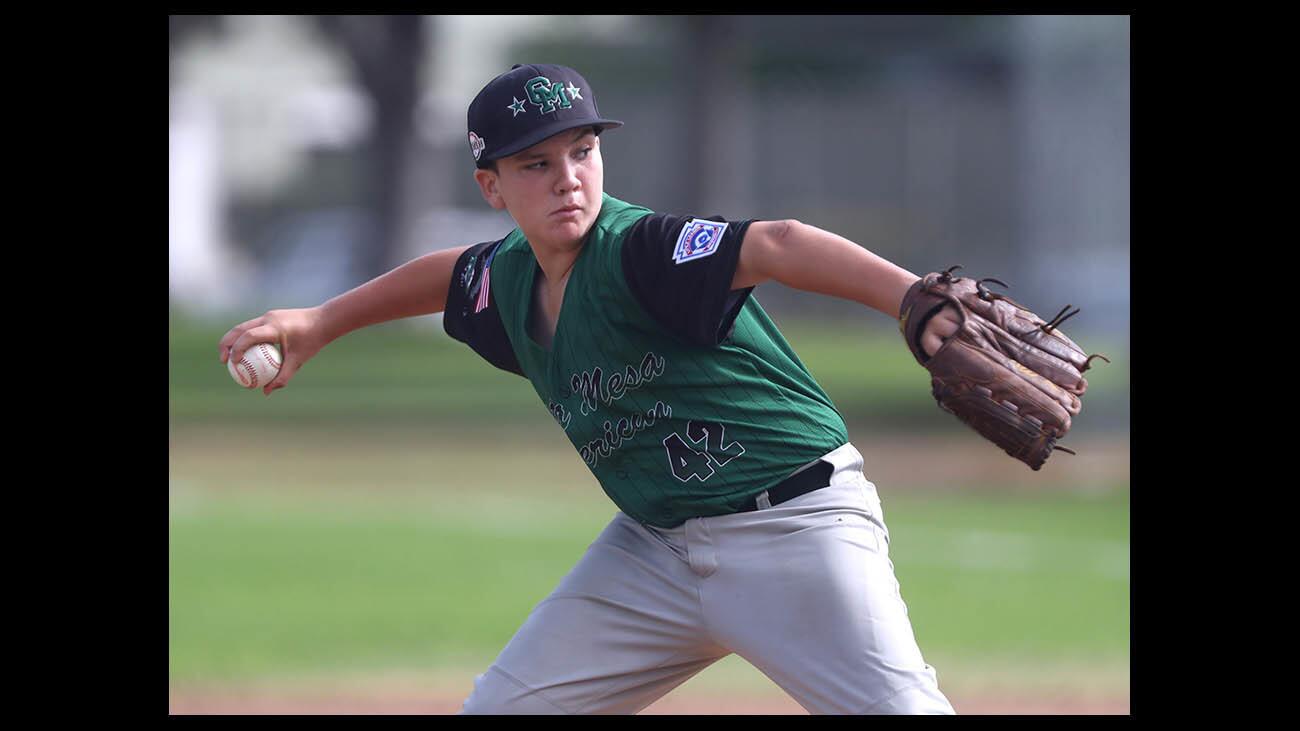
(800, 483)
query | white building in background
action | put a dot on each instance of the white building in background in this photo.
(201, 267)
(246, 106)
(243, 109)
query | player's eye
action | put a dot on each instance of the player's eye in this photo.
(536, 166)
(583, 153)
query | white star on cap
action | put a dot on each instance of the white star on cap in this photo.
(517, 108)
(574, 91)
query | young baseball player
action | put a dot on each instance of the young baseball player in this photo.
(745, 523)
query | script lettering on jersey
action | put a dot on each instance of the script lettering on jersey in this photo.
(561, 414)
(595, 389)
(613, 435)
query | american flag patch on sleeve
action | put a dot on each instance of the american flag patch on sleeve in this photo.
(485, 283)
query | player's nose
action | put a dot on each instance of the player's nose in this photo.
(568, 178)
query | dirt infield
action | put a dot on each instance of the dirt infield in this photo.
(408, 702)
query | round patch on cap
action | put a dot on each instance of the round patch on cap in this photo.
(476, 145)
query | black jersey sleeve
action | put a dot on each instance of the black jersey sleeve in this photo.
(471, 315)
(680, 269)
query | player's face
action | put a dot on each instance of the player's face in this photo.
(552, 189)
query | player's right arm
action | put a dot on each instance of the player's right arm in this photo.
(418, 287)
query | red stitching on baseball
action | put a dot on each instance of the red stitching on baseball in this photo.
(269, 354)
(252, 373)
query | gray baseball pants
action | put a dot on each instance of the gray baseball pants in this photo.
(804, 591)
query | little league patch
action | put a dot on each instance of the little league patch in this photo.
(476, 145)
(698, 240)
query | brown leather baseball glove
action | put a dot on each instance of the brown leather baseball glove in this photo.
(1006, 373)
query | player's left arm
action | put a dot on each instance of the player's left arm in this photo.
(814, 260)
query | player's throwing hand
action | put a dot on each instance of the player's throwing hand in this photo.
(299, 333)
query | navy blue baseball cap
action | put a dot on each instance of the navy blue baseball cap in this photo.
(527, 104)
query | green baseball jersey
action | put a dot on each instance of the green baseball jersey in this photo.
(680, 395)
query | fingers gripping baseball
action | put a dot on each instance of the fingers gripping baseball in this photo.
(296, 332)
(228, 340)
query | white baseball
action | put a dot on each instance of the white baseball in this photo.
(258, 366)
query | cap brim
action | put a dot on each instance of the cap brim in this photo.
(550, 130)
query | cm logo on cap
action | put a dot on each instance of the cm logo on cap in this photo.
(546, 95)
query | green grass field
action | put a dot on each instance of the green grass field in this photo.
(292, 556)
(402, 506)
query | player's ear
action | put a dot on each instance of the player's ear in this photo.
(487, 184)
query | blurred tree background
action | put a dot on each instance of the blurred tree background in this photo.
(308, 154)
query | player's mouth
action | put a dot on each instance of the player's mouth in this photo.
(567, 211)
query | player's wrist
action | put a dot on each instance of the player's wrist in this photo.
(911, 284)
(329, 322)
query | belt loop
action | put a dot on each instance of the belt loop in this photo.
(763, 501)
